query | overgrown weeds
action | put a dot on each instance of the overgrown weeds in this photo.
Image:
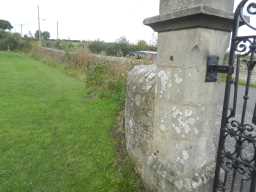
(102, 77)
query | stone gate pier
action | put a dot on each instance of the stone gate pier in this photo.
(170, 109)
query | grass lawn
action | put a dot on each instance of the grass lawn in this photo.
(53, 138)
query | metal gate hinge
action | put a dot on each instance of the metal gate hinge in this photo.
(213, 69)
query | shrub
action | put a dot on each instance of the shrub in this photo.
(102, 79)
(79, 60)
(119, 49)
(97, 47)
(13, 41)
(104, 76)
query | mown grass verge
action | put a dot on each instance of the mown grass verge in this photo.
(56, 130)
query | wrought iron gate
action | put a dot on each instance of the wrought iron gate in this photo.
(236, 159)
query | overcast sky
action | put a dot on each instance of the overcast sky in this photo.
(84, 19)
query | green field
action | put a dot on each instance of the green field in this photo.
(53, 137)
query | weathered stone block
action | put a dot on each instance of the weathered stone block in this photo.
(190, 48)
(139, 114)
(165, 137)
(167, 6)
(170, 109)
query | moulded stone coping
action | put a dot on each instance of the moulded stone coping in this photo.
(195, 17)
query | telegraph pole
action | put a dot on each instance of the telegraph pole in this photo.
(39, 26)
(21, 30)
(57, 30)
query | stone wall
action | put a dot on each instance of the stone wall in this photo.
(59, 56)
(171, 111)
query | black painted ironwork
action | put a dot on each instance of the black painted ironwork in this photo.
(213, 69)
(236, 158)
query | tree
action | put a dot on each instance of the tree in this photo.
(142, 45)
(122, 40)
(37, 34)
(44, 35)
(13, 41)
(5, 25)
(122, 47)
(97, 46)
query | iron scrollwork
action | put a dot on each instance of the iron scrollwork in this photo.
(246, 10)
(243, 46)
(236, 160)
